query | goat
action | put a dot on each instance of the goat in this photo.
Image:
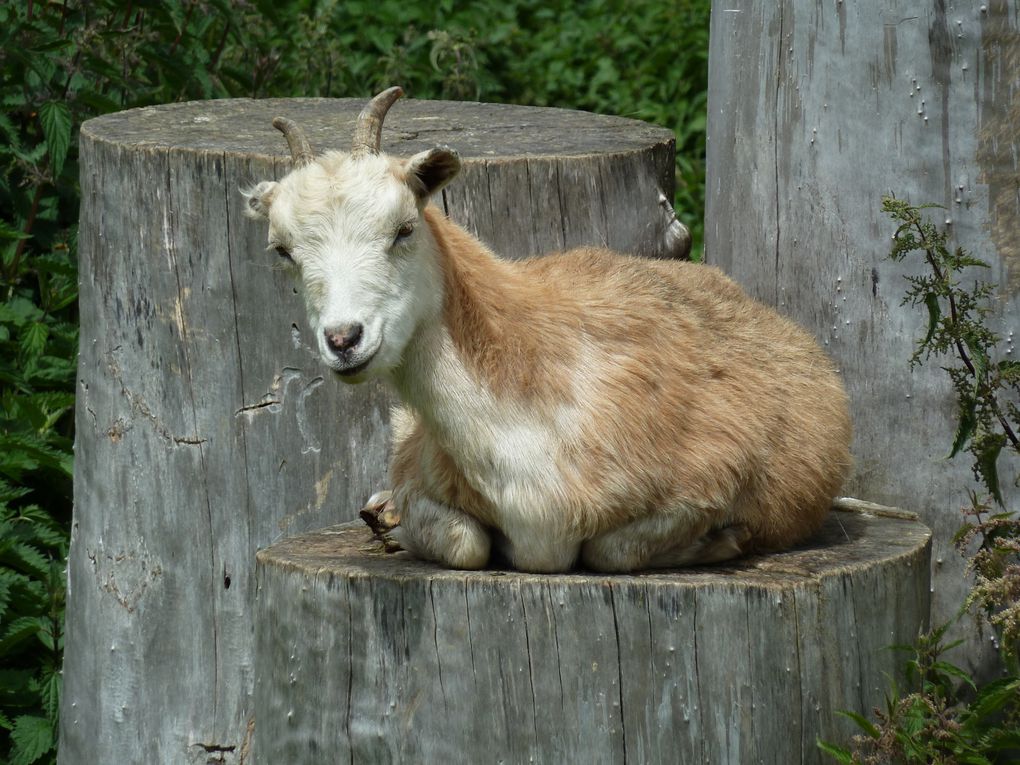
(585, 406)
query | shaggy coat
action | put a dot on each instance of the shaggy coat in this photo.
(655, 388)
(583, 406)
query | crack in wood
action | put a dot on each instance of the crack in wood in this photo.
(435, 642)
(84, 398)
(531, 665)
(140, 406)
(190, 440)
(697, 677)
(619, 672)
(265, 404)
(800, 680)
(273, 400)
(218, 752)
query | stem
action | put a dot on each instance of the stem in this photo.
(215, 62)
(184, 26)
(29, 222)
(961, 350)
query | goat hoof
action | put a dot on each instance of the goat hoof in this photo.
(389, 544)
(381, 516)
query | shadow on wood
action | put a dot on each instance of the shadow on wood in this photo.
(367, 657)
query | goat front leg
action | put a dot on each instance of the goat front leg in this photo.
(445, 535)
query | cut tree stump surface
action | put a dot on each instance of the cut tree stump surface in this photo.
(475, 130)
(382, 658)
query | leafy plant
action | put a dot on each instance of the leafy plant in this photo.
(945, 717)
(956, 326)
(33, 546)
(61, 63)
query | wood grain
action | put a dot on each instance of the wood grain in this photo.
(206, 426)
(369, 657)
(817, 110)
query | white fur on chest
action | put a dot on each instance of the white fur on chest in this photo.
(506, 452)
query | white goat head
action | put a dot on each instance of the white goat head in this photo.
(351, 225)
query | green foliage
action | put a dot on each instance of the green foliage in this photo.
(61, 63)
(985, 388)
(636, 58)
(33, 546)
(944, 717)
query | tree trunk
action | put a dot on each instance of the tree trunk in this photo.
(206, 426)
(817, 110)
(367, 657)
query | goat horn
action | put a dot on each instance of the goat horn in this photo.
(368, 130)
(300, 149)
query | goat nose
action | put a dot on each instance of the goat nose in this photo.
(343, 338)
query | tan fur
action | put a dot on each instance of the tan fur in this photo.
(503, 322)
(696, 397)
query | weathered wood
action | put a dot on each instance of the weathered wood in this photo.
(367, 657)
(816, 110)
(206, 427)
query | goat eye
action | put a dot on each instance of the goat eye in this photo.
(403, 232)
(284, 253)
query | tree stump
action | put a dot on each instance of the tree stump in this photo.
(363, 656)
(206, 427)
(821, 109)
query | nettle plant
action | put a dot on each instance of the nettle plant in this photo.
(943, 716)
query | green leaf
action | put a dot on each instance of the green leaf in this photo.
(980, 358)
(862, 722)
(9, 493)
(965, 428)
(995, 696)
(33, 339)
(953, 671)
(1000, 739)
(962, 259)
(56, 125)
(1009, 370)
(19, 631)
(19, 311)
(32, 738)
(9, 232)
(25, 558)
(50, 692)
(838, 753)
(986, 461)
(26, 451)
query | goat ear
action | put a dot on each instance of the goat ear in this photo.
(429, 171)
(259, 199)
